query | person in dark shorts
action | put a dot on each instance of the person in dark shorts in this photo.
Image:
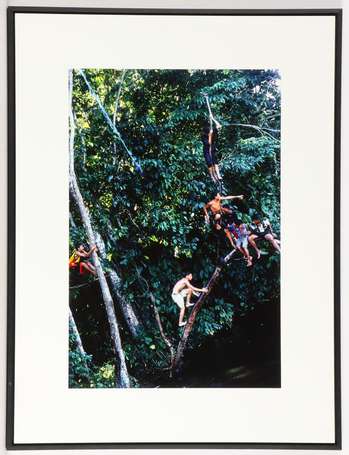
(222, 222)
(209, 141)
(261, 229)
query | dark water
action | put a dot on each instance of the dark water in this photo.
(247, 355)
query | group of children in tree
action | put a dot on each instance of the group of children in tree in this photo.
(239, 234)
(223, 219)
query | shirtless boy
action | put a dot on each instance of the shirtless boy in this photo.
(182, 289)
(80, 257)
(216, 207)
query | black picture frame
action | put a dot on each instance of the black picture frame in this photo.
(11, 13)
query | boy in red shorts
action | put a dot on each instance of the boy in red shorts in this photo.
(79, 258)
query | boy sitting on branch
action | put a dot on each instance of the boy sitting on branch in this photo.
(262, 229)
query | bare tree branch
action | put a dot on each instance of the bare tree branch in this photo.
(162, 333)
(261, 130)
(118, 95)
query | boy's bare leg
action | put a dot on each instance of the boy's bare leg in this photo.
(228, 234)
(188, 303)
(218, 174)
(270, 239)
(181, 315)
(92, 268)
(89, 267)
(212, 174)
(247, 256)
(252, 242)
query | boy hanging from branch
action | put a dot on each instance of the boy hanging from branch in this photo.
(184, 289)
(209, 140)
(80, 257)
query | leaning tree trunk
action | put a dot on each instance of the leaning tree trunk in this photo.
(178, 361)
(74, 329)
(130, 317)
(120, 363)
(162, 333)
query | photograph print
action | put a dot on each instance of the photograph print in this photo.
(174, 228)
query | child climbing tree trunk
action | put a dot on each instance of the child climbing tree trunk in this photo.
(115, 281)
(121, 372)
(178, 361)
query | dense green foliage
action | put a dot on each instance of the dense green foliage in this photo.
(153, 224)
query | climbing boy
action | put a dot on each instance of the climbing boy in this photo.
(79, 258)
(261, 229)
(215, 205)
(209, 140)
(183, 289)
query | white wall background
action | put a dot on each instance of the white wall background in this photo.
(174, 4)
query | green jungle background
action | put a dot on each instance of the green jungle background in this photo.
(153, 231)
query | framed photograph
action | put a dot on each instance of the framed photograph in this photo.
(173, 252)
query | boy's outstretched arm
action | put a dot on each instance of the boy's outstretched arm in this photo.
(92, 249)
(82, 254)
(206, 206)
(224, 198)
(228, 234)
(193, 288)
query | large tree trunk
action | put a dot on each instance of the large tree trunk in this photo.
(120, 363)
(130, 317)
(178, 361)
(74, 329)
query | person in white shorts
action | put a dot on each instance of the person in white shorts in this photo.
(184, 290)
(239, 231)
